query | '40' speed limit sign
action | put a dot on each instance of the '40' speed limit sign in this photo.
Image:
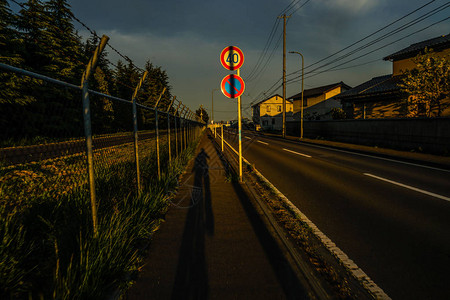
(232, 58)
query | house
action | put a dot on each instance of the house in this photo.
(318, 102)
(381, 97)
(402, 60)
(268, 113)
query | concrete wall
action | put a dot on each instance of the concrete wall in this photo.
(432, 135)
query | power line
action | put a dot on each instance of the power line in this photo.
(385, 36)
(306, 2)
(254, 73)
(379, 48)
(415, 21)
(264, 52)
(366, 37)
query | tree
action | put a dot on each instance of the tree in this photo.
(125, 80)
(157, 80)
(10, 50)
(427, 85)
(338, 113)
(201, 112)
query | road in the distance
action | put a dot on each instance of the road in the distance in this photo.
(391, 218)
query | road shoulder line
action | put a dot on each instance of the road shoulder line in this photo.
(409, 187)
(298, 153)
(349, 264)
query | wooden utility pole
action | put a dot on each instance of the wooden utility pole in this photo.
(284, 17)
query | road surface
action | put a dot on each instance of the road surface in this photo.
(391, 217)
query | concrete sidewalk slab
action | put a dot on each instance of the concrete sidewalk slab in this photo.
(213, 244)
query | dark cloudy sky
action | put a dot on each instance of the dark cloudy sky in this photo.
(185, 38)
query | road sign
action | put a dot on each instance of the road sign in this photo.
(232, 58)
(232, 86)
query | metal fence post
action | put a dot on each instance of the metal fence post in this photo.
(168, 128)
(182, 129)
(176, 128)
(185, 129)
(157, 133)
(135, 131)
(88, 129)
(221, 133)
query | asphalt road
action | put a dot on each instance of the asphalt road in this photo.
(391, 217)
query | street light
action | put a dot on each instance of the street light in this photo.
(301, 118)
(212, 105)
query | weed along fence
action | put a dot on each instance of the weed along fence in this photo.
(84, 179)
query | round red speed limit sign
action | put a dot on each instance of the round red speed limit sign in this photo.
(232, 58)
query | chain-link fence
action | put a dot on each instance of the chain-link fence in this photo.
(69, 164)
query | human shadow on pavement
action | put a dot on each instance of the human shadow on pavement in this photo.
(191, 281)
(286, 276)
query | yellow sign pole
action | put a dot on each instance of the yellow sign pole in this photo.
(240, 132)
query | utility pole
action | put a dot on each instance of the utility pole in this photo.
(284, 17)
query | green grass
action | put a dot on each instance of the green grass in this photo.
(48, 249)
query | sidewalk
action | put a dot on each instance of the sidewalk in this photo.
(213, 244)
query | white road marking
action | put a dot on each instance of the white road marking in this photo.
(409, 187)
(298, 153)
(247, 137)
(377, 157)
(263, 143)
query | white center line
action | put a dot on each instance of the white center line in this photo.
(410, 187)
(263, 143)
(298, 153)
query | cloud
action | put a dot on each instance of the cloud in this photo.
(353, 7)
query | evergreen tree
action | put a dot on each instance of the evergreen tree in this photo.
(69, 61)
(10, 49)
(155, 83)
(51, 48)
(102, 81)
(125, 79)
(33, 22)
(201, 112)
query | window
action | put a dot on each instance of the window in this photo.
(268, 108)
(273, 121)
(264, 123)
(278, 108)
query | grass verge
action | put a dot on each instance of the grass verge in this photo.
(47, 247)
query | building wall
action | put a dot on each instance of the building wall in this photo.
(275, 105)
(399, 66)
(333, 92)
(379, 110)
(431, 135)
(391, 109)
(311, 101)
(272, 119)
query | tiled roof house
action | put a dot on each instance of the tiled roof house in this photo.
(381, 97)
